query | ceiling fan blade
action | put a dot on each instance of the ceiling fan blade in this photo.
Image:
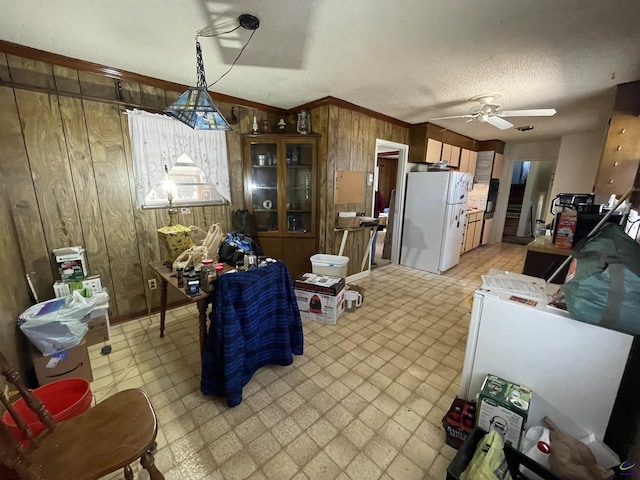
(499, 123)
(536, 112)
(455, 116)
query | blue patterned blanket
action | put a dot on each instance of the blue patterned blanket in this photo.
(255, 322)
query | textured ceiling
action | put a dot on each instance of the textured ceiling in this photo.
(410, 59)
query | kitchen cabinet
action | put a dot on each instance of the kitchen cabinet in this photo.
(472, 230)
(434, 151)
(497, 165)
(450, 154)
(468, 159)
(280, 178)
(486, 231)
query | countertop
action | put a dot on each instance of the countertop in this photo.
(547, 246)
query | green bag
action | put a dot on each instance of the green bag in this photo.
(603, 283)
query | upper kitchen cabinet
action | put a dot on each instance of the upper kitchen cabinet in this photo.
(422, 148)
(468, 159)
(497, 165)
(280, 178)
(451, 155)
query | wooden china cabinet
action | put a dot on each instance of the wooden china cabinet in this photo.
(280, 188)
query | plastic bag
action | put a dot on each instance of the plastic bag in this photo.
(488, 462)
(59, 324)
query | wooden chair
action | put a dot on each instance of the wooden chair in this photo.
(104, 439)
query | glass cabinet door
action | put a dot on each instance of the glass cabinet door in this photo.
(299, 187)
(264, 185)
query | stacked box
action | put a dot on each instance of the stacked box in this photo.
(72, 263)
(320, 297)
(99, 327)
(70, 363)
(504, 406)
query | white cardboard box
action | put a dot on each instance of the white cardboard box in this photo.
(320, 307)
(72, 263)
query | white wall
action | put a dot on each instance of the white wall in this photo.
(518, 152)
(577, 165)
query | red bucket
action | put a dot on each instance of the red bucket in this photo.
(64, 399)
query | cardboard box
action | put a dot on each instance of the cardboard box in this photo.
(504, 407)
(319, 306)
(70, 363)
(566, 229)
(314, 282)
(99, 327)
(64, 288)
(72, 263)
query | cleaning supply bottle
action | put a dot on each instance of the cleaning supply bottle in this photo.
(536, 445)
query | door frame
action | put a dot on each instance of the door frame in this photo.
(401, 183)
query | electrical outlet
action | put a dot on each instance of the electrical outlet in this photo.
(153, 284)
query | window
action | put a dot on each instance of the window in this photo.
(169, 156)
(187, 183)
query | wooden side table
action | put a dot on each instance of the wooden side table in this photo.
(203, 299)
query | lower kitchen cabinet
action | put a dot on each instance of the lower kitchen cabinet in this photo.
(472, 231)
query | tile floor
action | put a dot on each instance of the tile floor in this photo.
(365, 401)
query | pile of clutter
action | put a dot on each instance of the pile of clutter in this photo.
(62, 328)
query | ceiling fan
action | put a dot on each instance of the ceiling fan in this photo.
(487, 111)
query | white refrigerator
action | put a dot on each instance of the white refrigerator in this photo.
(433, 225)
(573, 368)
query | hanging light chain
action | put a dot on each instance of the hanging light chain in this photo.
(202, 83)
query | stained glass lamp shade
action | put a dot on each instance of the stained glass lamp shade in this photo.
(195, 107)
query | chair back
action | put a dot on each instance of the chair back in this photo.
(12, 452)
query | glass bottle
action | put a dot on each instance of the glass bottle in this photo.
(304, 122)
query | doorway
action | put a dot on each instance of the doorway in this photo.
(528, 199)
(389, 180)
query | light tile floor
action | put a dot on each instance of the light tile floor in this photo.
(365, 401)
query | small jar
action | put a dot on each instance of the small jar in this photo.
(207, 275)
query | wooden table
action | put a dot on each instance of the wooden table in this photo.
(203, 299)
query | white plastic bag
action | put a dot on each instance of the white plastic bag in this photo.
(59, 324)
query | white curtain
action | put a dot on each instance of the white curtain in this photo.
(158, 140)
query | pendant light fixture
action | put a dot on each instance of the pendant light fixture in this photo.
(195, 107)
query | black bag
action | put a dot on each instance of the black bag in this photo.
(235, 245)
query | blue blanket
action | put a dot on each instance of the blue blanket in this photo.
(255, 322)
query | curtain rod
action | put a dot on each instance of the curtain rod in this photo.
(53, 91)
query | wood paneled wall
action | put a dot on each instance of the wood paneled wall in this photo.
(14, 296)
(66, 166)
(348, 143)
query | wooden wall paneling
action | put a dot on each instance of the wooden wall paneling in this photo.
(15, 173)
(319, 122)
(14, 291)
(145, 225)
(110, 166)
(234, 161)
(5, 76)
(30, 72)
(50, 170)
(333, 124)
(66, 79)
(130, 92)
(352, 138)
(81, 165)
(153, 96)
(97, 86)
